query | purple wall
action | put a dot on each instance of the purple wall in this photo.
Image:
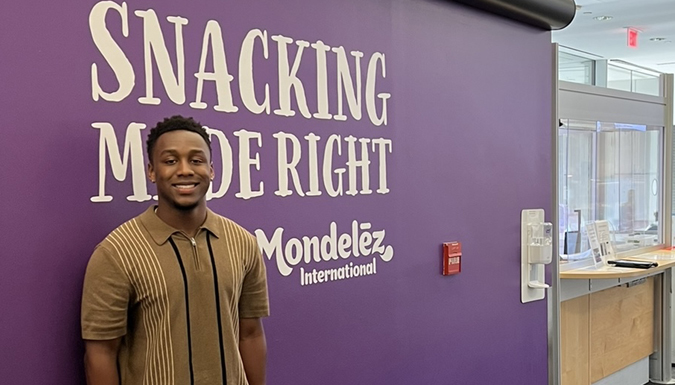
(468, 118)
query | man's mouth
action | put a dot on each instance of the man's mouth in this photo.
(185, 186)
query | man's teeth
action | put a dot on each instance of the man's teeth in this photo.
(185, 186)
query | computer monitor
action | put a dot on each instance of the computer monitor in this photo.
(572, 243)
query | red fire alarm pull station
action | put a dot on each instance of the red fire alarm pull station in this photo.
(452, 258)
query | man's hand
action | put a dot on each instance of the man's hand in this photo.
(253, 349)
(100, 362)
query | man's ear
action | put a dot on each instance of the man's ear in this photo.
(213, 174)
(151, 173)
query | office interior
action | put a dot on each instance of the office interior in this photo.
(606, 164)
(386, 118)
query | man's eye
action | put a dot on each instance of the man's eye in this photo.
(197, 161)
(170, 161)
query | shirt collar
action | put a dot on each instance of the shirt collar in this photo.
(160, 231)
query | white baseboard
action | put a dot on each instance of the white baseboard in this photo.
(635, 374)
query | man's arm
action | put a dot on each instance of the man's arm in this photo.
(253, 349)
(100, 362)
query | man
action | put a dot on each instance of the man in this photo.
(175, 295)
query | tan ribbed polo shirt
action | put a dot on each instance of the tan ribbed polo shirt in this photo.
(175, 300)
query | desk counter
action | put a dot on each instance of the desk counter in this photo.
(665, 259)
(613, 318)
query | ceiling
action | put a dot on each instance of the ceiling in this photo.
(608, 39)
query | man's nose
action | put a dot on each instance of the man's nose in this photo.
(185, 168)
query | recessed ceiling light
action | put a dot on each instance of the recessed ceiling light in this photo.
(588, 13)
(657, 39)
(603, 18)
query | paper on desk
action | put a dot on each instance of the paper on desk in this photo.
(600, 241)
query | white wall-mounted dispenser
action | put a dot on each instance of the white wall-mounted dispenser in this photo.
(536, 251)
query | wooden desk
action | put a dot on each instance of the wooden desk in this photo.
(612, 317)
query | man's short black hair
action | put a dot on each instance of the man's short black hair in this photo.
(175, 123)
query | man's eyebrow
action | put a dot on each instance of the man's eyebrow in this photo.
(191, 152)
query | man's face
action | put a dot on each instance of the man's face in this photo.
(181, 167)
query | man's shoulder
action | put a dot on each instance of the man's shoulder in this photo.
(226, 226)
(128, 231)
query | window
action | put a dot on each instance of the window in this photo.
(609, 171)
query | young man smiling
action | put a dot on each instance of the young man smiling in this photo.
(175, 296)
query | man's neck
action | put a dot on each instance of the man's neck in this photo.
(187, 221)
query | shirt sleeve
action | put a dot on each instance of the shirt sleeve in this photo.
(254, 301)
(106, 296)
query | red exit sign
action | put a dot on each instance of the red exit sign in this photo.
(633, 37)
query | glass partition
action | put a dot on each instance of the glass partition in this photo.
(632, 80)
(609, 171)
(575, 69)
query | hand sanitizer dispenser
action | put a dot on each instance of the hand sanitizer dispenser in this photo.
(536, 252)
(539, 250)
